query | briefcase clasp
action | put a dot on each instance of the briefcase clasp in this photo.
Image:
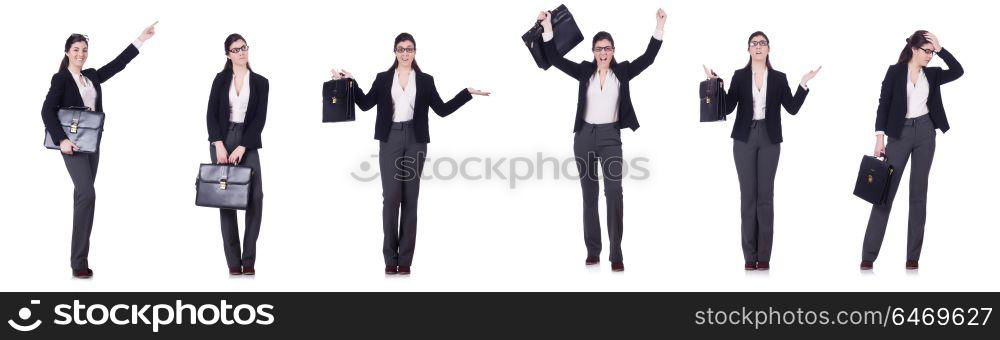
(74, 127)
(333, 101)
(870, 179)
(222, 185)
(708, 100)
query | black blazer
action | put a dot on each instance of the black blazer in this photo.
(778, 94)
(624, 71)
(63, 91)
(427, 97)
(892, 103)
(219, 109)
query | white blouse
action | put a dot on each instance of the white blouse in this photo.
(403, 100)
(87, 90)
(238, 102)
(602, 103)
(916, 95)
(759, 96)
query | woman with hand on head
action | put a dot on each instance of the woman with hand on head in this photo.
(237, 109)
(759, 92)
(909, 110)
(604, 107)
(74, 86)
(403, 94)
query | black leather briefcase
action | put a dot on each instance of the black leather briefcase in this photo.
(82, 127)
(566, 35)
(713, 100)
(223, 186)
(874, 179)
(338, 100)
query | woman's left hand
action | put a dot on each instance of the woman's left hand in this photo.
(237, 155)
(661, 19)
(148, 32)
(934, 41)
(809, 75)
(478, 92)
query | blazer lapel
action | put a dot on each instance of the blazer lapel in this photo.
(251, 111)
(421, 83)
(772, 93)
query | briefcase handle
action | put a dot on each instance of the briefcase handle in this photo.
(81, 108)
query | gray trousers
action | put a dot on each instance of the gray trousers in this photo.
(401, 161)
(230, 227)
(756, 163)
(592, 144)
(918, 141)
(82, 169)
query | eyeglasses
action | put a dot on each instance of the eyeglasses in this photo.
(931, 52)
(405, 49)
(239, 49)
(761, 43)
(605, 48)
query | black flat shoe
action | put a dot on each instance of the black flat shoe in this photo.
(235, 271)
(83, 274)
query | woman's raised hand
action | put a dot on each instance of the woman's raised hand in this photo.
(809, 75)
(148, 32)
(934, 41)
(661, 19)
(546, 18)
(478, 92)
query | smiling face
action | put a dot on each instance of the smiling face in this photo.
(77, 54)
(239, 53)
(604, 51)
(405, 52)
(759, 48)
(923, 55)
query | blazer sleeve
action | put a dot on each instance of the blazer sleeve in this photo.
(792, 103)
(50, 109)
(251, 135)
(442, 108)
(733, 96)
(366, 101)
(117, 65)
(640, 64)
(215, 132)
(954, 70)
(884, 102)
(573, 69)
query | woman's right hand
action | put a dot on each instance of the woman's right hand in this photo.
(708, 72)
(711, 75)
(336, 74)
(221, 155)
(67, 147)
(879, 146)
(546, 18)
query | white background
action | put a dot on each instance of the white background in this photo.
(322, 229)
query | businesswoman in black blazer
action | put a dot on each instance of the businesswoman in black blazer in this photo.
(74, 86)
(237, 108)
(759, 91)
(909, 110)
(603, 108)
(403, 93)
